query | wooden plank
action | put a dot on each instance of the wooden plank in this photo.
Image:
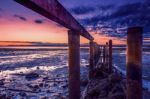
(134, 63)
(53, 10)
(74, 65)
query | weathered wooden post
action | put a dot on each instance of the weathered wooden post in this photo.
(134, 63)
(91, 59)
(95, 53)
(74, 64)
(110, 56)
(101, 50)
(104, 54)
(107, 59)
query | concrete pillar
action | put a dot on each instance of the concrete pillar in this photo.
(134, 63)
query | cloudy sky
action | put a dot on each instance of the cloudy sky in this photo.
(104, 19)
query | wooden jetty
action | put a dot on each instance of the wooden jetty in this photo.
(101, 68)
(100, 56)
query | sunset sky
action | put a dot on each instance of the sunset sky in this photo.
(104, 19)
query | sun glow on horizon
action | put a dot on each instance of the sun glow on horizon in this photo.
(14, 29)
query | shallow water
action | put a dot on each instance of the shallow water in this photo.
(119, 61)
(51, 65)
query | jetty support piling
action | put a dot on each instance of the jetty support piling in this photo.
(110, 56)
(134, 63)
(104, 54)
(74, 64)
(96, 57)
(107, 55)
(91, 63)
(101, 54)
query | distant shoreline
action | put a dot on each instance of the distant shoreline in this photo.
(52, 48)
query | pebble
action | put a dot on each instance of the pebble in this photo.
(31, 76)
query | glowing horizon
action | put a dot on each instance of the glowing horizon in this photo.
(18, 30)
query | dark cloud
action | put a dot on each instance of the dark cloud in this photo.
(106, 7)
(39, 21)
(128, 15)
(90, 21)
(133, 14)
(20, 17)
(126, 10)
(82, 10)
(94, 20)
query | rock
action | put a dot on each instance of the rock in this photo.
(41, 84)
(21, 72)
(31, 76)
(48, 91)
(103, 93)
(114, 77)
(23, 94)
(46, 85)
(65, 86)
(87, 65)
(117, 88)
(44, 97)
(108, 87)
(36, 88)
(60, 97)
(84, 82)
(37, 68)
(54, 84)
(3, 96)
(118, 95)
(45, 78)
(30, 86)
(1, 82)
(99, 90)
